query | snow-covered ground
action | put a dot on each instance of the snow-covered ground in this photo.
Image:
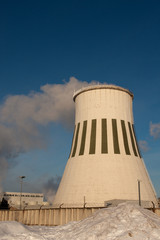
(125, 222)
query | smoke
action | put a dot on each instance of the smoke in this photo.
(143, 146)
(23, 118)
(155, 130)
(50, 188)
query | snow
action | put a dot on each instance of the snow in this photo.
(124, 222)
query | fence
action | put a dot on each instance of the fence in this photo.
(47, 217)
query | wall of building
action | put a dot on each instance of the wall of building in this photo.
(13, 198)
(49, 216)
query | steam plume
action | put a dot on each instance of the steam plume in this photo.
(155, 130)
(23, 117)
(143, 145)
(51, 187)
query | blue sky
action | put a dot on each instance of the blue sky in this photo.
(45, 43)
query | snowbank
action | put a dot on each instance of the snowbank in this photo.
(125, 222)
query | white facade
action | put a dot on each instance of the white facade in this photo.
(13, 198)
(105, 163)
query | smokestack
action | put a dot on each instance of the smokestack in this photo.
(105, 162)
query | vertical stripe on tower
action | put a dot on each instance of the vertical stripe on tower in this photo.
(83, 139)
(115, 136)
(93, 137)
(132, 140)
(125, 140)
(76, 141)
(104, 147)
(136, 140)
(72, 141)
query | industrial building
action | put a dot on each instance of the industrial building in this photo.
(105, 165)
(17, 199)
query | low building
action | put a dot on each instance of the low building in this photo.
(15, 199)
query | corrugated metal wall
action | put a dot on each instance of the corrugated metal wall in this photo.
(47, 217)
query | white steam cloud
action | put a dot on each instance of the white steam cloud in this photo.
(155, 130)
(50, 188)
(23, 118)
(143, 145)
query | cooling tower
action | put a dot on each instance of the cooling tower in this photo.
(104, 163)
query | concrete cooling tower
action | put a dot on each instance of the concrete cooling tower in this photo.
(105, 164)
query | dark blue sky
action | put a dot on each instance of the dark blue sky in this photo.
(47, 41)
(115, 42)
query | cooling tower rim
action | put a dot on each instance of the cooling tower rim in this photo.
(101, 86)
